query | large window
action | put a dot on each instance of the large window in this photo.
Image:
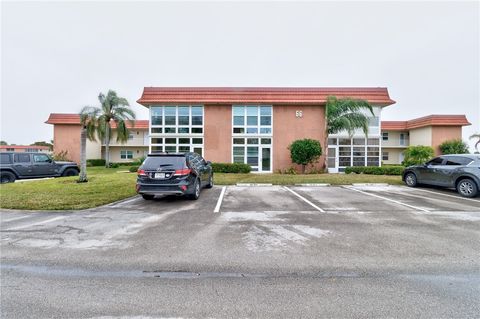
(126, 154)
(252, 119)
(176, 128)
(356, 151)
(254, 151)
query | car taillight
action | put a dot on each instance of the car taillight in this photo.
(141, 172)
(182, 172)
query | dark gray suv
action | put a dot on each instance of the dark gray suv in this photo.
(459, 171)
(19, 165)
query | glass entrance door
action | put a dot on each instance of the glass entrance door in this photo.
(332, 160)
(266, 160)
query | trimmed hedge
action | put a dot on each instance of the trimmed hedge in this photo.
(96, 162)
(133, 169)
(231, 168)
(375, 170)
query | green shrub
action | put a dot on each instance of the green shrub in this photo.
(304, 152)
(133, 169)
(415, 155)
(231, 168)
(375, 170)
(454, 147)
(96, 162)
(113, 165)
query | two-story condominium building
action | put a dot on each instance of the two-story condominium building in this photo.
(66, 137)
(256, 125)
(430, 130)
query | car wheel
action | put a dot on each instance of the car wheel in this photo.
(7, 177)
(210, 182)
(196, 190)
(70, 172)
(411, 179)
(467, 188)
(148, 197)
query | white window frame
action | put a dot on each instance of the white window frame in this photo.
(258, 126)
(260, 146)
(126, 154)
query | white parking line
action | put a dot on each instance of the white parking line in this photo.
(442, 194)
(220, 199)
(36, 223)
(126, 202)
(387, 199)
(304, 199)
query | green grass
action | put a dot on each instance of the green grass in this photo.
(283, 179)
(110, 185)
(104, 186)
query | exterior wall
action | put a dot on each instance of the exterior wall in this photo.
(393, 155)
(140, 138)
(441, 134)
(288, 128)
(394, 139)
(67, 138)
(217, 133)
(94, 149)
(138, 151)
(421, 136)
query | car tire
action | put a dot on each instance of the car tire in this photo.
(411, 180)
(210, 182)
(148, 197)
(196, 190)
(7, 177)
(467, 188)
(70, 172)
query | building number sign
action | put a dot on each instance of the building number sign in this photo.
(298, 114)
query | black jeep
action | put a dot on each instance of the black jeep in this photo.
(174, 174)
(18, 165)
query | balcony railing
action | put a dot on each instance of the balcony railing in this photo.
(396, 142)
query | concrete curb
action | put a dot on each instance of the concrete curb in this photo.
(253, 184)
(33, 179)
(313, 184)
(370, 184)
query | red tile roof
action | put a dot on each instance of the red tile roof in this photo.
(74, 119)
(38, 147)
(430, 120)
(272, 95)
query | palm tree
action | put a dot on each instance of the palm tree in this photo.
(99, 119)
(345, 115)
(477, 136)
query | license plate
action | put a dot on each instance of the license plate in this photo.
(159, 175)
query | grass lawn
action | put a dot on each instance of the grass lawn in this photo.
(109, 185)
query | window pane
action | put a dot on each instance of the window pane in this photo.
(252, 110)
(332, 141)
(265, 110)
(156, 112)
(198, 150)
(238, 151)
(238, 111)
(239, 159)
(344, 151)
(372, 161)
(183, 111)
(183, 130)
(21, 158)
(359, 151)
(170, 115)
(169, 130)
(252, 156)
(197, 140)
(359, 161)
(373, 151)
(183, 120)
(157, 140)
(170, 140)
(344, 161)
(252, 140)
(183, 141)
(184, 149)
(197, 130)
(171, 149)
(197, 120)
(344, 141)
(265, 159)
(238, 141)
(238, 130)
(238, 120)
(265, 130)
(157, 149)
(252, 120)
(265, 120)
(156, 130)
(252, 130)
(197, 111)
(358, 141)
(373, 141)
(266, 141)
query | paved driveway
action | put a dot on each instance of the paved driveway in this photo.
(353, 251)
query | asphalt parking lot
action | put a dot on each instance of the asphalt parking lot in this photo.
(249, 251)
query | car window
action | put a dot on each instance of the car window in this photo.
(21, 158)
(5, 159)
(41, 158)
(457, 161)
(436, 161)
(154, 162)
